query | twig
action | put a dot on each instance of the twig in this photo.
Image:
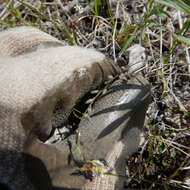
(186, 49)
(114, 31)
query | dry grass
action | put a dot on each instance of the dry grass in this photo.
(162, 27)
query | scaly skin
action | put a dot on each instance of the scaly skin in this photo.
(122, 109)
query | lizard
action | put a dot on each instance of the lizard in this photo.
(112, 131)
